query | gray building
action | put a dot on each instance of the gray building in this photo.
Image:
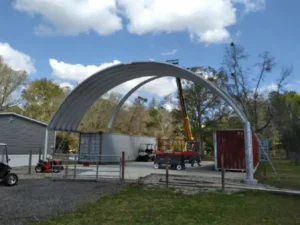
(23, 134)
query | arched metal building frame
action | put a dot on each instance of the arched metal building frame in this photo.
(78, 102)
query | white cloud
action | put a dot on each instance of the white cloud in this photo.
(203, 73)
(128, 103)
(173, 52)
(64, 84)
(71, 17)
(161, 87)
(68, 73)
(169, 107)
(252, 5)
(127, 86)
(205, 20)
(268, 88)
(15, 59)
(76, 72)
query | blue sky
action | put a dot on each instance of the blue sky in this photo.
(48, 40)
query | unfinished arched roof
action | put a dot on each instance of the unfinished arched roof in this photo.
(129, 93)
(78, 102)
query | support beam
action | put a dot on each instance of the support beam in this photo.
(46, 144)
(249, 154)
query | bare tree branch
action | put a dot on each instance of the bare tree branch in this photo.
(285, 73)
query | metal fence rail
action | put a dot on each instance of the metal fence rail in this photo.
(87, 167)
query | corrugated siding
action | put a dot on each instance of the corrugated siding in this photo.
(89, 146)
(114, 144)
(23, 135)
(231, 144)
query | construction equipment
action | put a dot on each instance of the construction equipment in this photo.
(188, 148)
(6, 177)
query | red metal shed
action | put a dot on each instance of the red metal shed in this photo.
(231, 144)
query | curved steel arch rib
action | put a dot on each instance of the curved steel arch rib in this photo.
(78, 102)
(123, 100)
(134, 89)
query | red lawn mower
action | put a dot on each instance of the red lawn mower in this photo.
(49, 166)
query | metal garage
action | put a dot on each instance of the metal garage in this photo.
(23, 134)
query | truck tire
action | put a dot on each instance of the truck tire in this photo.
(179, 167)
(156, 166)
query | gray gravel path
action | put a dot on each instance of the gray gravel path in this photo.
(39, 199)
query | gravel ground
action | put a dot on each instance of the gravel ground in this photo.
(38, 199)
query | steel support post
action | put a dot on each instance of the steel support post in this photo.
(46, 145)
(249, 154)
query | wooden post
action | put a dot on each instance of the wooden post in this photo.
(167, 170)
(101, 139)
(67, 166)
(30, 162)
(223, 172)
(74, 174)
(97, 172)
(123, 165)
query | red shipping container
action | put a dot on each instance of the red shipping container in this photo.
(231, 144)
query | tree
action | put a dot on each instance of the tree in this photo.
(139, 117)
(97, 117)
(10, 82)
(42, 98)
(246, 91)
(286, 114)
(201, 104)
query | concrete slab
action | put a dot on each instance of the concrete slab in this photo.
(135, 170)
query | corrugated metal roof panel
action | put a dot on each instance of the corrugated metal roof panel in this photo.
(74, 107)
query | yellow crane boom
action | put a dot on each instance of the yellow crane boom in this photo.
(186, 122)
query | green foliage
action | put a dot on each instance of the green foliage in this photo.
(286, 114)
(205, 110)
(97, 117)
(42, 97)
(65, 142)
(11, 81)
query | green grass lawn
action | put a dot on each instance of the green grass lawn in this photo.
(137, 205)
(288, 172)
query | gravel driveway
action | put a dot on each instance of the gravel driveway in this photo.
(41, 198)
